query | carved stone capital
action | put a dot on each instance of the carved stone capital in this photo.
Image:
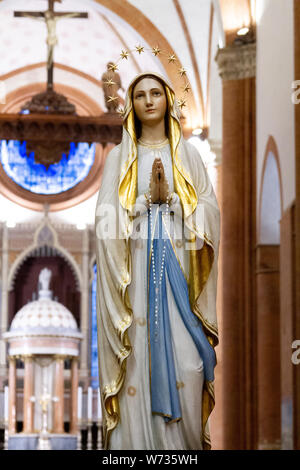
(236, 62)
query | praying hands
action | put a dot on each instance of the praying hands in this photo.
(159, 187)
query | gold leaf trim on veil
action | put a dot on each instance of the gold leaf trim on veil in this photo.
(111, 391)
(201, 262)
(182, 181)
(128, 177)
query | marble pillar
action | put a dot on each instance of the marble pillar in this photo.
(268, 351)
(12, 396)
(28, 406)
(238, 233)
(74, 396)
(59, 394)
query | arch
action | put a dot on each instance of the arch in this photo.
(73, 196)
(84, 102)
(149, 32)
(270, 196)
(87, 106)
(61, 251)
(67, 68)
(26, 284)
(20, 260)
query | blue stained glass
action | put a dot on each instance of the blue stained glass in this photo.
(36, 178)
(94, 342)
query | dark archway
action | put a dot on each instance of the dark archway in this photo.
(63, 284)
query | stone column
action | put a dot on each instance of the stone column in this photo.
(85, 302)
(268, 352)
(296, 241)
(12, 396)
(238, 232)
(74, 396)
(59, 393)
(4, 299)
(289, 367)
(28, 393)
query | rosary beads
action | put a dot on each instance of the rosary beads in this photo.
(157, 281)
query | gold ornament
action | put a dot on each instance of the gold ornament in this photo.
(179, 385)
(139, 49)
(121, 112)
(124, 54)
(171, 58)
(113, 67)
(112, 98)
(131, 391)
(110, 82)
(181, 103)
(156, 50)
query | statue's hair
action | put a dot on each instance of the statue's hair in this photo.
(154, 77)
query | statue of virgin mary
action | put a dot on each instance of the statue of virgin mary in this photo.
(157, 241)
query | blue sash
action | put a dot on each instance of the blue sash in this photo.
(164, 393)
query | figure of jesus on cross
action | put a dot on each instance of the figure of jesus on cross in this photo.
(50, 17)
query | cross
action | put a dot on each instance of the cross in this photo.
(44, 400)
(50, 17)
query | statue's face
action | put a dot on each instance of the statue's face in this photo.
(149, 101)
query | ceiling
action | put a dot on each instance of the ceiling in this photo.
(191, 29)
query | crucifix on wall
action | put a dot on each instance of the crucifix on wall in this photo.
(50, 17)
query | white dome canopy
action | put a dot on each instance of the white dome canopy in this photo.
(44, 326)
(44, 314)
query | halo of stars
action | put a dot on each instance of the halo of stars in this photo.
(156, 51)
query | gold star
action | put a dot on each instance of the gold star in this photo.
(156, 50)
(139, 49)
(187, 88)
(112, 98)
(182, 103)
(182, 71)
(121, 111)
(124, 55)
(110, 82)
(171, 58)
(113, 67)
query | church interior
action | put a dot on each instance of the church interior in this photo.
(61, 99)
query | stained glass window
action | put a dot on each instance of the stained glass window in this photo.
(36, 178)
(94, 343)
